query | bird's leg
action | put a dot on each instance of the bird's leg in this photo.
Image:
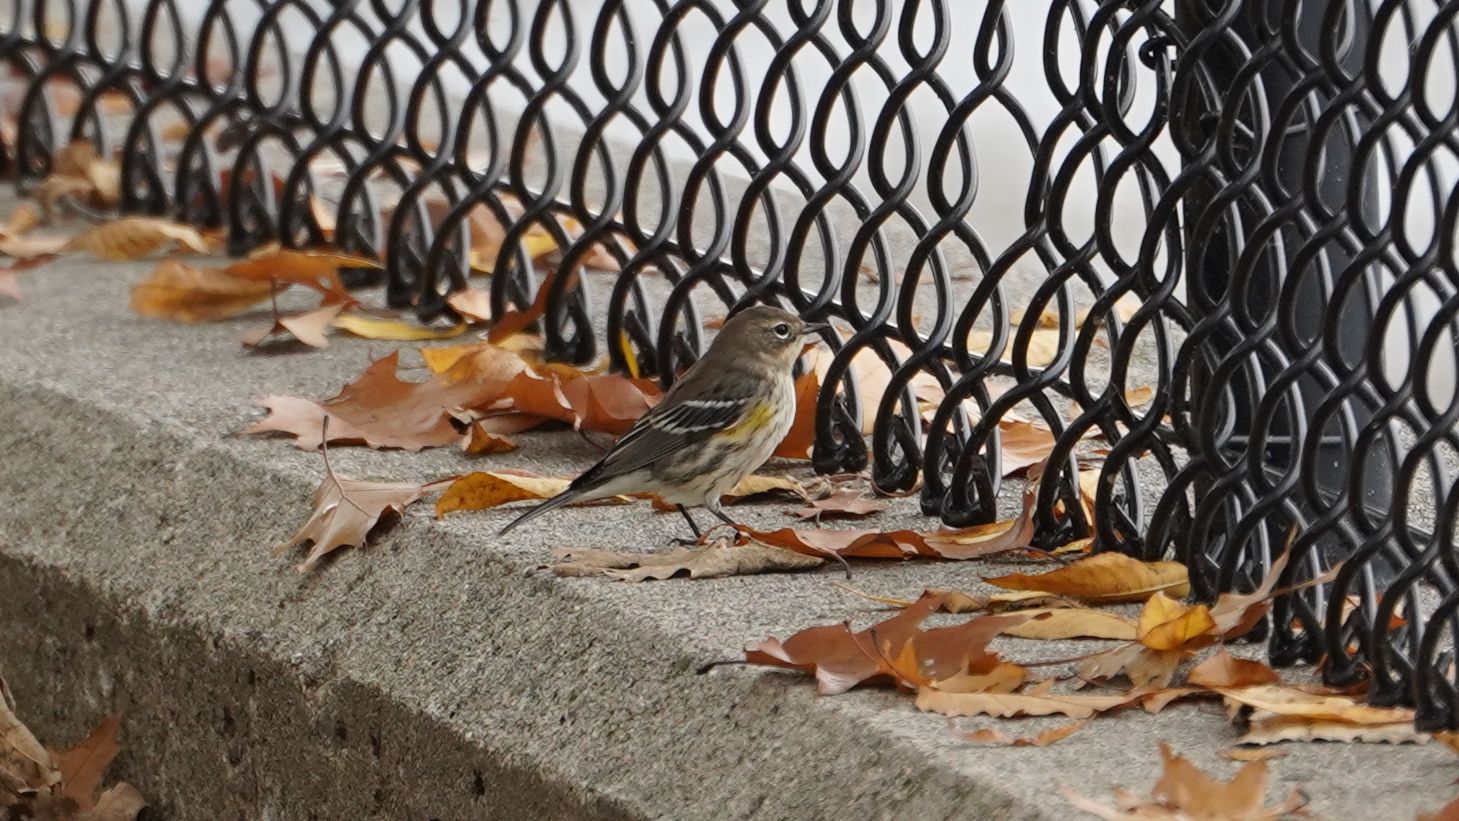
(692, 526)
(723, 517)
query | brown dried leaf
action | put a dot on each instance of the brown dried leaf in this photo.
(1290, 701)
(393, 330)
(312, 269)
(846, 503)
(481, 442)
(182, 293)
(83, 766)
(992, 735)
(1184, 793)
(1225, 670)
(345, 511)
(798, 442)
(1005, 678)
(382, 411)
(473, 304)
(9, 286)
(1266, 728)
(1107, 577)
(1023, 444)
(710, 561)
(609, 403)
(32, 247)
(1252, 753)
(1448, 812)
(133, 238)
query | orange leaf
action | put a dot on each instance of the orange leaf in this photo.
(992, 735)
(317, 270)
(308, 327)
(345, 511)
(798, 442)
(482, 490)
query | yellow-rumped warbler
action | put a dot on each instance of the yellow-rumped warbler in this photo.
(714, 427)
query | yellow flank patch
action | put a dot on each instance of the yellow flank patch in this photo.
(754, 421)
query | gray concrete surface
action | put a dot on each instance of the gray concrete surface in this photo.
(434, 675)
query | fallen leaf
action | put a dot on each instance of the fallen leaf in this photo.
(1289, 701)
(132, 238)
(1184, 793)
(83, 766)
(78, 172)
(308, 327)
(119, 802)
(896, 649)
(608, 403)
(1073, 623)
(480, 441)
(182, 293)
(1107, 577)
(483, 489)
(10, 286)
(393, 330)
(1274, 729)
(992, 735)
(1004, 678)
(846, 503)
(32, 247)
(1166, 624)
(345, 511)
(801, 438)
(1006, 705)
(1448, 812)
(1225, 670)
(1252, 753)
(1022, 445)
(312, 269)
(382, 411)
(1043, 346)
(473, 304)
(710, 561)
(24, 763)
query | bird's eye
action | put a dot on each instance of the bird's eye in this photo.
(782, 330)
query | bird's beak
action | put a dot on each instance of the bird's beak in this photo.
(815, 328)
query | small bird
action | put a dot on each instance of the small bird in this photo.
(714, 427)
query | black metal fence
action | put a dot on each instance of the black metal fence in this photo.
(1033, 209)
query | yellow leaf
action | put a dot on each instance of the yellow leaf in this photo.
(1166, 624)
(395, 330)
(1107, 577)
(482, 490)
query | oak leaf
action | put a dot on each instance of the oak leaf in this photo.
(1106, 577)
(801, 438)
(1005, 705)
(1166, 624)
(83, 766)
(133, 238)
(346, 511)
(596, 402)
(183, 293)
(1184, 793)
(312, 269)
(383, 411)
(714, 560)
(1073, 622)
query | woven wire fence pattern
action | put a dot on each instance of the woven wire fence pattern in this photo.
(1244, 210)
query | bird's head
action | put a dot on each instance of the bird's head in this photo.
(766, 332)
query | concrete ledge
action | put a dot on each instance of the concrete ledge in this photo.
(430, 676)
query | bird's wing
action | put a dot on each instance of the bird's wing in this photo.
(666, 429)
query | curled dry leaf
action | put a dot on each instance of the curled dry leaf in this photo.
(77, 172)
(183, 293)
(1166, 624)
(992, 735)
(345, 511)
(132, 238)
(1006, 705)
(798, 442)
(1107, 577)
(1184, 793)
(1276, 713)
(752, 486)
(710, 561)
(473, 304)
(308, 327)
(1022, 444)
(596, 402)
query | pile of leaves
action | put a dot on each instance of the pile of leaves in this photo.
(38, 783)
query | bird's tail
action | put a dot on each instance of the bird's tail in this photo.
(566, 497)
